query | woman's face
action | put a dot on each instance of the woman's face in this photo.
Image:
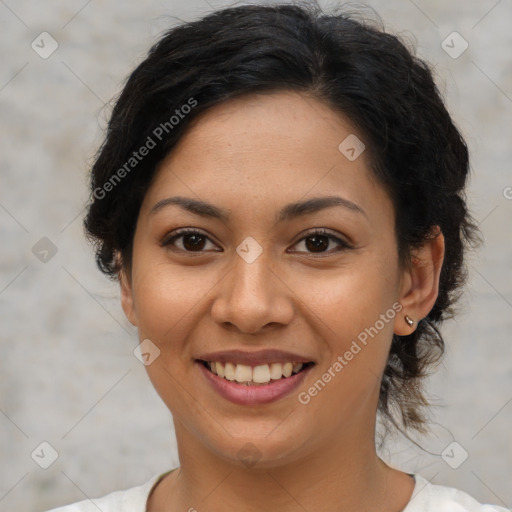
(258, 281)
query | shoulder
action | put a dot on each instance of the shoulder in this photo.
(429, 497)
(132, 500)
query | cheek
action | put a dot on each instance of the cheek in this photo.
(167, 303)
(354, 310)
(163, 292)
(166, 300)
(349, 299)
(356, 323)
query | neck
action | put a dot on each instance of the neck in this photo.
(347, 475)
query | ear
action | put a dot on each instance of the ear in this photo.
(127, 297)
(420, 283)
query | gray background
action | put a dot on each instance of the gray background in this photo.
(67, 372)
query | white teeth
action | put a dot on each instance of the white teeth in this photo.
(297, 367)
(220, 369)
(261, 374)
(229, 371)
(287, 369)
(243, 373)
(276, 371)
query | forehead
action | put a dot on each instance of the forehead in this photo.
(266, 126)
(266, 149)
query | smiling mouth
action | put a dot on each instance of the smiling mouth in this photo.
(259, 375)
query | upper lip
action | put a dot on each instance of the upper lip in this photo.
(254, 358)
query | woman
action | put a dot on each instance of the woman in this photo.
(281, 196)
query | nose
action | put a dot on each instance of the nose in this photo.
(252, 296)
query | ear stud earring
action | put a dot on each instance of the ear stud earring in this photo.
(409, 320)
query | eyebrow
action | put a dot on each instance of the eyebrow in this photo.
(288, 212)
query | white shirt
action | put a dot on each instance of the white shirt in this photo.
(426, 497)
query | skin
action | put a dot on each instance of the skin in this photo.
(250, 157)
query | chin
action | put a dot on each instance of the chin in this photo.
(258, 452)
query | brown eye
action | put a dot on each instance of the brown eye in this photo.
(319, 241)
(193, 242)
(188, 241)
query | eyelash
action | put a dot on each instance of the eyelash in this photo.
(170, 239)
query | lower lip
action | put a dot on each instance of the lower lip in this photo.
(253, 395)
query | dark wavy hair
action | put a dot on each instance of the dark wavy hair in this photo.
(358, 70)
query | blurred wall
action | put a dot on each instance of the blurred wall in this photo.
(68, 376)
